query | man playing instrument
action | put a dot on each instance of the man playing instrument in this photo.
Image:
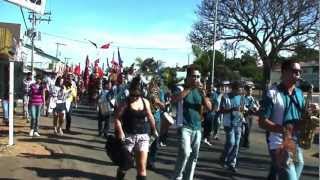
(190, 133)
(280, 115)
(231, 107)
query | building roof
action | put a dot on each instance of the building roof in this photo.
(42, 53)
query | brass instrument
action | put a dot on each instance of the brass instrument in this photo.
(310, 121)
(153, 95)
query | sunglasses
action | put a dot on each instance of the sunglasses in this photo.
(296, 71)
(195, 76)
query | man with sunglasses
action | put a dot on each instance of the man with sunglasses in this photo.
(280, 115)
(193, 97)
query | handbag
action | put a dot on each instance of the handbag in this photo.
(118, 153)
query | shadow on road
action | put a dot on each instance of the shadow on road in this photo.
(65, 173)
(68, 156)
(59, 142)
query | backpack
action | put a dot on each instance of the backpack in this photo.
(118, 153)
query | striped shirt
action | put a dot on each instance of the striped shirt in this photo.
(36, 94)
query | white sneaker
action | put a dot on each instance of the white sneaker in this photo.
(162, 144)
(55, 131)
(28, 120)
(207, 142)
(216, 137)
(36, 134)
(60, 131)
(31, 132)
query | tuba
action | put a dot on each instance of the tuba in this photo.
(310, 121)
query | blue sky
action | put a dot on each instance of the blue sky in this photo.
(161, 27)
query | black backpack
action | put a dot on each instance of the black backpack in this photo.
(118, 153)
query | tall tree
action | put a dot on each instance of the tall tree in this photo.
(271, 26)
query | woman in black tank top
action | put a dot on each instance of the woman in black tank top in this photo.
(131, 120)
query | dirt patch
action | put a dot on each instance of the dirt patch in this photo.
(21, 130)
(21, 148)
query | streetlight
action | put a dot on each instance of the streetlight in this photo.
(214, 41)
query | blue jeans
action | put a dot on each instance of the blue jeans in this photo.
(231, 147)
(5, 108)
(216, 123)
(35, 116)
(293, 170)
(187, 154)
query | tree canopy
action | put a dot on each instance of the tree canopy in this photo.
(270, 26)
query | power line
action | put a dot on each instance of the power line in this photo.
(24, 19)
(119, 45)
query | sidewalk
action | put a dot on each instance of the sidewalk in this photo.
(27, 152)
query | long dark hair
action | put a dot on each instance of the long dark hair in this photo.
(57, 83)
(135, 86)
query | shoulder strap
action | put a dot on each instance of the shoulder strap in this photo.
(144, 104)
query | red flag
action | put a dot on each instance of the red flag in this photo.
(96, 62)
(77, 70)
(105, 46)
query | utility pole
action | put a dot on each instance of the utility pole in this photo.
(66, 60)
(59, 44)
(214, 40)
(32, 33)
(57, 53)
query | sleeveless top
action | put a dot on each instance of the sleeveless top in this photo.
(36, 94)
(134, 121)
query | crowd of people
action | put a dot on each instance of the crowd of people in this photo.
(142, 113)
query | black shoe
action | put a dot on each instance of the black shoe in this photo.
(246, 145)
(233, 169)
(151, 166)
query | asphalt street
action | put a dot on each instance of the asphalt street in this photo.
(80, 155)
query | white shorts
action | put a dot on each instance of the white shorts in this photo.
(137, 142)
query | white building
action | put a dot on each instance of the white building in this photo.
(42, 61)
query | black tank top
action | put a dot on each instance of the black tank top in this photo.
(134, 121)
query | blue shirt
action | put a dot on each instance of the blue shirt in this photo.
(234, 118)
(191, 110)
(281, 108)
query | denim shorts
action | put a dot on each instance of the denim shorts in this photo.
(137, 142)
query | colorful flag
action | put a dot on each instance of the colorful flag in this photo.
(105, 46)
(96, 62)
(77, 70)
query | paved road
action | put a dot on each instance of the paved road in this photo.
(81, 155)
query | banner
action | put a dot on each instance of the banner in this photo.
(37, 6)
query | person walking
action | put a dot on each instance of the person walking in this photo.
(231, 108)
(250, 109)
(190, 133)
(37, 99)
(131, 127)
(105, 108)
(71, 95)
(280, 116)
(26, 89)
(59, 98)
(156, 98)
